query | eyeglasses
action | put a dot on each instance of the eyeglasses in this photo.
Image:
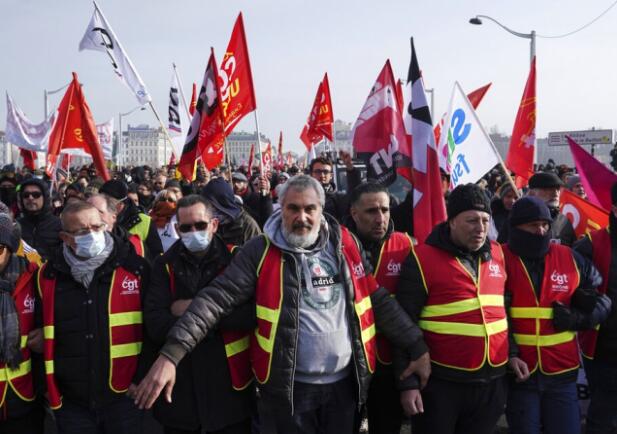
(199, 226)
(86, 231)
(32, 194)
(322, 171)
(167, 199)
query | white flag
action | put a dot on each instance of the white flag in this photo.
(175, 119)
(471, 153)
(23, 133)
(99, 36)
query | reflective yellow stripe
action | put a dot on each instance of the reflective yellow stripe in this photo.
(368, 333)
(48, 332)
(265, 344)
(235, 347)
(49, 367)
(125, 318)
(545, 340)
(464, 329)
(125, 350)
(462, 305)
(23, 368)
(532, 312)
(363, 305)
(265, 313)
(23, 341)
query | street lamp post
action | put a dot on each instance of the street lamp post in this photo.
(477, 20)
(121, 149)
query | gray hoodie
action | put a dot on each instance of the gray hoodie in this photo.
(324, 344)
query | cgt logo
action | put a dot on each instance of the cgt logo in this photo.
(28, 304)
(494, 270)
(394, 268)
(560, 281)
(358, 270)
(130, 286)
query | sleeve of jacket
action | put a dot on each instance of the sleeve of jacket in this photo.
(251, 228)
(231, 289)
(153, 243)
(584, 247)
(157, 314)
(411, 295)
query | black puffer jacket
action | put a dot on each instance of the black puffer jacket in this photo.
(606, 348)
(82, 327)
(202, 395)
(132, 216)
(40, 230)
(237, 285)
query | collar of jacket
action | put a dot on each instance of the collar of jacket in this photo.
(440, 238)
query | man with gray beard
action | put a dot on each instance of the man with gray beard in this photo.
(317, 307)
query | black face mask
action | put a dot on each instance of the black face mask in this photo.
(8, 195)
(528, 245)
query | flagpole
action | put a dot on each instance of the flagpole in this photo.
(163, 127)
(261, 163)
(186, 107)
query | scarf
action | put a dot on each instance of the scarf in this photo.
(9, 318)
(83, 270)
(162, 213)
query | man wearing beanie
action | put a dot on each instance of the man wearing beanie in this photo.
(453, 286)
(133, 220)
(599, 346)
(550, 294)
(547, 186)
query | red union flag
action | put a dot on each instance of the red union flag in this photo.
(584, 216)
(266, 159)
(522, 144)
(75, 129)
(321, 118)
(206, 135)
(236, 80)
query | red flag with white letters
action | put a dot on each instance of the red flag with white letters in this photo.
(321, 119)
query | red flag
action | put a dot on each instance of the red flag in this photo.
(399, 95)
(584, 216)
(474, 98)
(429, 204)
(595, 176)
(266, 160)
(29, 158)
(522, 144)
(206, 134)
(321, 119)
(75, 128)
(290, 161)
(279, 157)
(251, 158)
(236, 80)
(379, 134)
(193, 100)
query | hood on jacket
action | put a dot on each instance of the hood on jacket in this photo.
(273, 228)
(42, 185)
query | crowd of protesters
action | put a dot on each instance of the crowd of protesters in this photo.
(250, 302)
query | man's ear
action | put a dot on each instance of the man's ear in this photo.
(214, 223)
(66, 238)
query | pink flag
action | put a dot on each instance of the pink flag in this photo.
(595, 176)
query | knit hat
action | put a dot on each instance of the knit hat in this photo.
(115, 188)
(467, 197)
(219, 193)
(529, 209)
(545, 180)
(7, 233)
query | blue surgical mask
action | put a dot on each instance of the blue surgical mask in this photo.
(196, 241)
(90, 245)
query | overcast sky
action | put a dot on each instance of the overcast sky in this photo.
(292, 43)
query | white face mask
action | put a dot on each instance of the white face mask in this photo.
(90, 245)
(196, 241)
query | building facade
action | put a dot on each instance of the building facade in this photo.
(144, 145)
(239, 146)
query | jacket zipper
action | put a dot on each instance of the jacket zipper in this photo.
(293, 370)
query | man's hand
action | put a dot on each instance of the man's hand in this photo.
(178, 307)
(35, 340)
(520, 368)
(421, 367)
(347, 160)
(563, 317)
(264, 185)
(411, 401)
(132, 391)
(162, 375)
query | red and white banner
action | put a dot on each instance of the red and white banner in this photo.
(266, 159)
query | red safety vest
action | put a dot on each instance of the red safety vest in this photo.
(269, 297)
(602, 253)
(236, 344)
(138, 244)
(393, 253)
(20, 379)
(464, 320)
(540, 345)
(125, 319)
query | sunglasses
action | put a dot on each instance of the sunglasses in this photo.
(32, 194)
(199, 226)
(167, 199)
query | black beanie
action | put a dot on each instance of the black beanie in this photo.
(467, 197)
(115, 188)
(545, 180)
(529, 209)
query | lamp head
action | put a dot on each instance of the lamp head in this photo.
(476, 21)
